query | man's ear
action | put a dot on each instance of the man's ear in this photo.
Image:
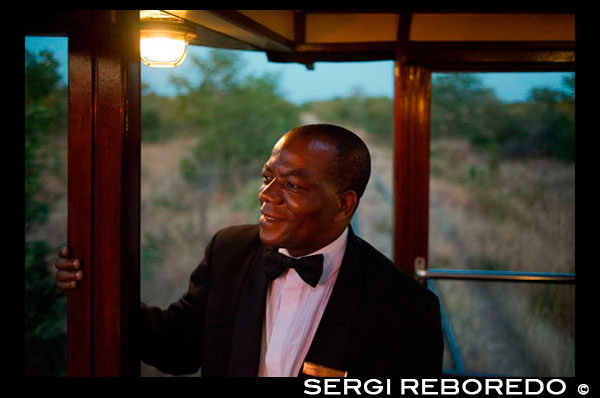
(347, 202)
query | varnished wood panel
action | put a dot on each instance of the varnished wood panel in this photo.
(105, 109)
(79, 191)
(411, 164)
(443, 56)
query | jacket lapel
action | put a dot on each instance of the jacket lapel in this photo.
(247, 329)
(332, 338)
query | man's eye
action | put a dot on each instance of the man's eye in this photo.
(290, 185)
(266, 179)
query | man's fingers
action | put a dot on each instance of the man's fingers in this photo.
(67, 285)
(64, 259)
(64, 252)
(68, 264)
(68, 270)
(66, 276)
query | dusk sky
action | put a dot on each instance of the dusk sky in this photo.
(328, 79)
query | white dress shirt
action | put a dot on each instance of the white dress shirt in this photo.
(293, 312)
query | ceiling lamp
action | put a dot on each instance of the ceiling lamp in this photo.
(163, 39)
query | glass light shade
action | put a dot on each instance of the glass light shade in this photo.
(162, 51)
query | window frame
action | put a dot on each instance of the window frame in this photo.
(412, 115)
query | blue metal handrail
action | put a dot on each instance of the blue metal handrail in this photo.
(448, 332)
(428, 275)
(495, 276)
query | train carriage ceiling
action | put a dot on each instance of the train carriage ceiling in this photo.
(439, 39)
(442, 40)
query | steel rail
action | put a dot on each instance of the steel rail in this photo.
(495, 276)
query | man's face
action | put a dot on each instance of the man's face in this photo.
(298, 202)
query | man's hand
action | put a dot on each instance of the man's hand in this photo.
(68, 270)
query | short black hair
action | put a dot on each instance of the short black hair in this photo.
(351, 166)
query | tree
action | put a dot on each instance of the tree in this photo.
(238, 119)
(373, 114)
(45, 307)
(462, 106)
(543, 126)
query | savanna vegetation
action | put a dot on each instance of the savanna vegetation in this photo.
(45, 123)
(502, 197)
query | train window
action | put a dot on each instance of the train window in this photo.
(205, 136)
(46, 103)
(502, 197)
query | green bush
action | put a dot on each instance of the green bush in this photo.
(45, 315)
(153, 252)
(373, 114)
(45, 306)
(237, 120)
(544, 126)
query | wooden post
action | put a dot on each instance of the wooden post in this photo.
(104, 191)
(411, 163)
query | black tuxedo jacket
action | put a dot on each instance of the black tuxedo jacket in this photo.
(378, 322)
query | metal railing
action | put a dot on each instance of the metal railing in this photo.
(455, 355)
(494, 276)
(429, 275)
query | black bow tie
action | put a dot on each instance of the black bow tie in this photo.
(309, 268)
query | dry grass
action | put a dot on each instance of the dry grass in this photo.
(515, 215)
(171, 208)
(376, 214)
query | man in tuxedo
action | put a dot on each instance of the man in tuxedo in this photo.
(299, 293)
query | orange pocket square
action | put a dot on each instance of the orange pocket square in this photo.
(313, 369)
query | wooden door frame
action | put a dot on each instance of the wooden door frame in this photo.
(412, 122)
(104, 191)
